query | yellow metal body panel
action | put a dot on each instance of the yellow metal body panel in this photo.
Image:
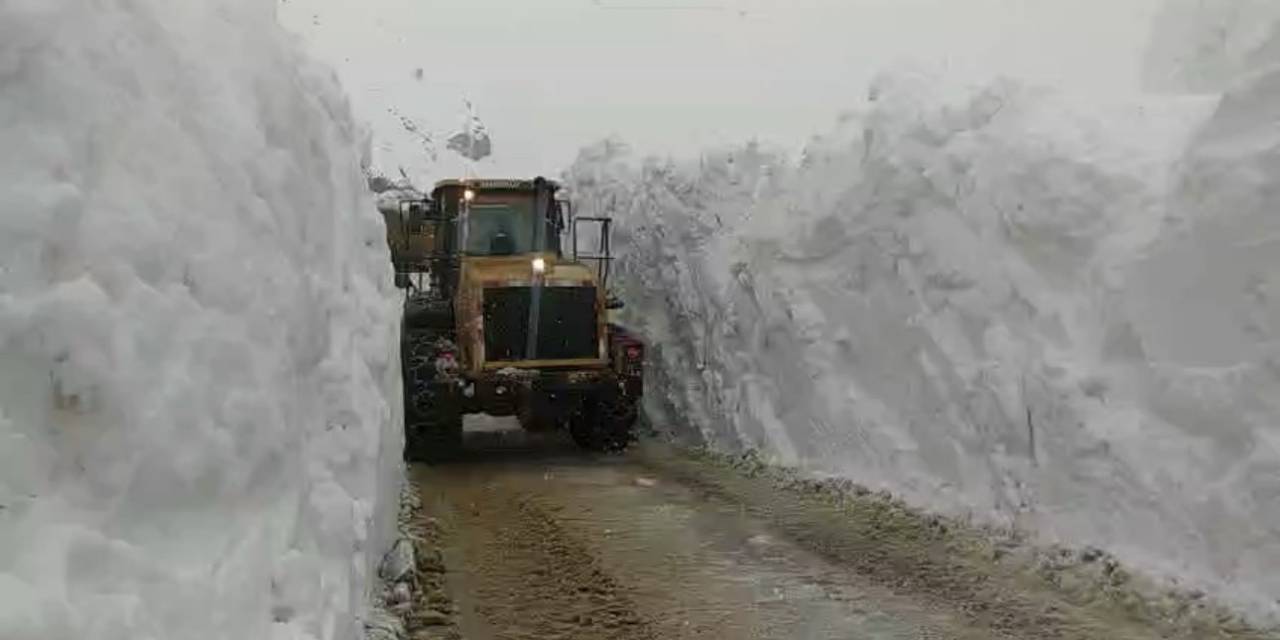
(409, 243)
(415, 243)
(481, 272)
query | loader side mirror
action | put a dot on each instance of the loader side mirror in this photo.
(402, 281)
(613, 302)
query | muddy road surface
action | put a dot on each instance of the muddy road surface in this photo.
(541, 541)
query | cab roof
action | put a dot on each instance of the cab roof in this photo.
(514, 184)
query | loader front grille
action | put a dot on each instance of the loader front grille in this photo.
(566, 323)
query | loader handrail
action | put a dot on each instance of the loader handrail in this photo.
(604, 258)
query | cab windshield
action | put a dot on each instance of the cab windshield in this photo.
(501, 228)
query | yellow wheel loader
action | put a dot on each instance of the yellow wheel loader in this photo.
(501, 318)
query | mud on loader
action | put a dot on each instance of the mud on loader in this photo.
(500, 319)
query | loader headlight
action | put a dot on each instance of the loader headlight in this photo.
(468, 195)
(539, 266)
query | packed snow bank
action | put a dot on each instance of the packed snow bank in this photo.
(993, 301)
(198, 425)
(1207, 45)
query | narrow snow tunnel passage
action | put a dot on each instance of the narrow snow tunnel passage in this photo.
(1054, 313)
(1000, 292)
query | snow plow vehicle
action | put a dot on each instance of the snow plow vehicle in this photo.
(501, 319)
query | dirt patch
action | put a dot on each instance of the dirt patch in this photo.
(524, 575)
(996, 581)
(542, 578)
(425, 606)
(434, 614)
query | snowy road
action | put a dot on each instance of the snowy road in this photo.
(541, 541)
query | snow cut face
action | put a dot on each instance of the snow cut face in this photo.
(986, 300)
(198, 418)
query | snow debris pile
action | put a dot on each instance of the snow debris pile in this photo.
(198, 377)
(993, 301)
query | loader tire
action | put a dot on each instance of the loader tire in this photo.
(432, 415)
(604, 423)
(435, 436)
(537, 413)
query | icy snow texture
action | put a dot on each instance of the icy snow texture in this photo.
(198, 426)
(992, 301)
(1206, 45)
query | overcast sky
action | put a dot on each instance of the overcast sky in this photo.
(675, 76)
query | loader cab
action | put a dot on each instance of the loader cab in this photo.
(495, 218)
(482, 219)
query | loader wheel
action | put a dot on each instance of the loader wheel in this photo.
(435, 436)
(604, 423)
(432, 423)
(432, 416)
(538, 413)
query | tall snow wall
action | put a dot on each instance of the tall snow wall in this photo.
(1206, 45)
(994, 301)
(198, 427)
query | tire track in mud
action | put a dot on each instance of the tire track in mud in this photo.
(574, 546)
(545, 542)
(522, 576)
